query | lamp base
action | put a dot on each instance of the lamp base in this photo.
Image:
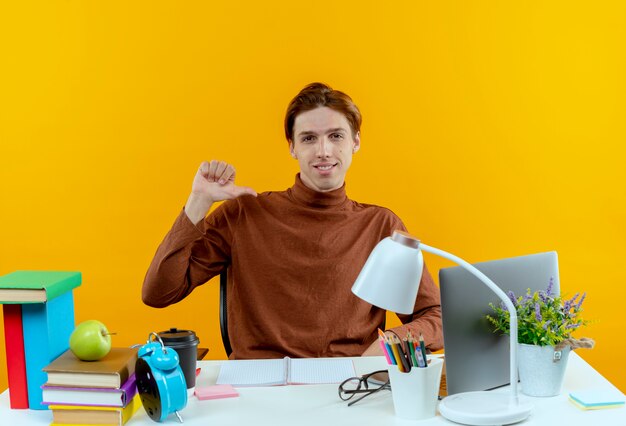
(484, 408)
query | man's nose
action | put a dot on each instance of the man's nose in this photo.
(323, 148)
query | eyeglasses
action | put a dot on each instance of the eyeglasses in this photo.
(365, 385)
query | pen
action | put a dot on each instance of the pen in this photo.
(418, 354)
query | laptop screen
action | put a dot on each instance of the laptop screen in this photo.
(476, 358)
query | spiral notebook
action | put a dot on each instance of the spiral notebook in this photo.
(285, 371)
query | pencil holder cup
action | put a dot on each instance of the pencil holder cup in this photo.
(415, 394)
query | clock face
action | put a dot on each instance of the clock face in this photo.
(148, 389)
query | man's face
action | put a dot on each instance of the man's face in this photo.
(323, 145)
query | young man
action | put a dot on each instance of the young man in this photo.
(292, 255)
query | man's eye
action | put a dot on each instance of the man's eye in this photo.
(336, 136)
(308, 138)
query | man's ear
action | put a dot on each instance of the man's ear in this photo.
(291, 151)
(357, 143)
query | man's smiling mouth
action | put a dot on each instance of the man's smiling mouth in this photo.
(325, 167)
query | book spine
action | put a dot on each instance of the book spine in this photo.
(129, 390)
(47, 328)
(16, 364)
(131, 408)
(127, 371)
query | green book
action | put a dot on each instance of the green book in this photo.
(36, 286)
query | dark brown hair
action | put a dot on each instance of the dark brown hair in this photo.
(317, 95)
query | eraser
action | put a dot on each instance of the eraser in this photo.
(216, 392)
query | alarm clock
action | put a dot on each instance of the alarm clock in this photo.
(160, 380)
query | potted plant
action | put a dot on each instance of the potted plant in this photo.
(545, 326)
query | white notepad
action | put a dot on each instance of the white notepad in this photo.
(286, 371)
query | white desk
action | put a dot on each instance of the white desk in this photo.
(320, 404)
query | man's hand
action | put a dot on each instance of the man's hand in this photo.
(373, 350)
(214, 181)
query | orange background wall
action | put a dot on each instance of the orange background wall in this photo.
(493, 129)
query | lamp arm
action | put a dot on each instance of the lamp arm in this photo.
(505, 299)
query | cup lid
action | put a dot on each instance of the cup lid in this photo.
(175, 337)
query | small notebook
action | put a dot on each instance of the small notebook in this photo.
(215, 392)
(597, 399)
(286, 371)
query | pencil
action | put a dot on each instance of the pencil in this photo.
(407, 351)
(412, 349)
(396, 354)
(405, 362)
(390, 352)
(423, 349)
(384, 348)
(384, 341)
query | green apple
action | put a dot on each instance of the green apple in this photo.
(90, 340)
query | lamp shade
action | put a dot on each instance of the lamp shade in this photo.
(390, 278)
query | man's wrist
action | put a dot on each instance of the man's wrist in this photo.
(197, 207)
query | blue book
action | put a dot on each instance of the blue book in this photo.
(47, 329)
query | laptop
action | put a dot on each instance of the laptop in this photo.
(476, 358)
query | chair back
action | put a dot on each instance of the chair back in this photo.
(224, 311)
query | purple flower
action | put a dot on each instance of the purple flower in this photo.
(580, 302)
(573, 299)
(550, 284)
(567, 306)
(538, 312)
(512, 297)
(570, 326)
(545, 326)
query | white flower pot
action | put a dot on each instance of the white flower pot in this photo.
(541, 369)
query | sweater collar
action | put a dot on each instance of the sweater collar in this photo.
(309, 197)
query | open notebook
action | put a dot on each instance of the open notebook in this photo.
(285, 371)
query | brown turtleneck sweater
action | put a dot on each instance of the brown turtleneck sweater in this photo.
(294, 256)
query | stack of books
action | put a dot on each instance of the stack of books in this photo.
(38, 308)
(92, 392)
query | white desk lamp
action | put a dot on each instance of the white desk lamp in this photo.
(390, 280)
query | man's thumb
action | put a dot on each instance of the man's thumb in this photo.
(244, 190)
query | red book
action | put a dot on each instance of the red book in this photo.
(16, 365)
